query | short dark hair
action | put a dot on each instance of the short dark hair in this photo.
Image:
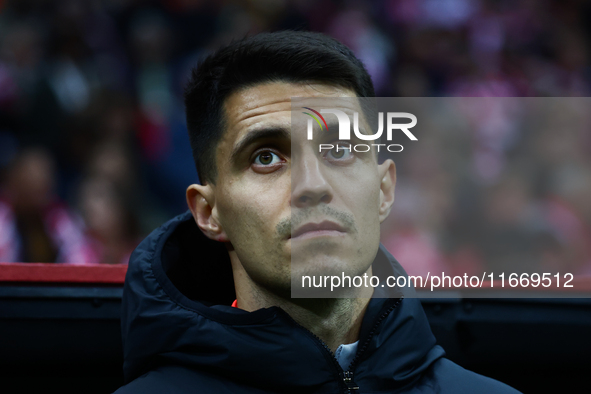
(290, 56)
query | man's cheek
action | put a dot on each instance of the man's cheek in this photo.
(245, 228)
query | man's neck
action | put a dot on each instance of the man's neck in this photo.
(334, 320)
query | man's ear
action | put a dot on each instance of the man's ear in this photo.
(201, 202)
(387, 173)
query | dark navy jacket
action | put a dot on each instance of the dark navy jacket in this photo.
(180, 334)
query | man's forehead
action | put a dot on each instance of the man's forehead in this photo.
(272, 102)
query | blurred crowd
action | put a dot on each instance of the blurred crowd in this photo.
(495, 184)
(94, 152)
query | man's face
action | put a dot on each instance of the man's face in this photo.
(285, 208)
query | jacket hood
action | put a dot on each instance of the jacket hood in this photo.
(176, 310)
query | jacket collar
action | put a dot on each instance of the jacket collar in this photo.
(176, 310)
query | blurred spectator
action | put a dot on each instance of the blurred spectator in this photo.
(35, 226)
(112, 228)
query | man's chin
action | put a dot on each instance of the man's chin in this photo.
(314, 274)
(318, 249)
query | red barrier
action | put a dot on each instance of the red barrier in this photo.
(115, 275)
(62, 273)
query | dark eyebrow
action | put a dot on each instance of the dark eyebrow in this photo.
(333, 130)
(333, 127)
(257, 135)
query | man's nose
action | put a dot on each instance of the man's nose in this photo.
(309, 185)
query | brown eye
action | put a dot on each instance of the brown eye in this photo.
(338, 154)
(266, 158)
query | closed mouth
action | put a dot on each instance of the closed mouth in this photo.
(323, 228)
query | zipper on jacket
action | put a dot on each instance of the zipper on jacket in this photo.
(348, 379)
(348, 375)
(350, 387)
(372, 333)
